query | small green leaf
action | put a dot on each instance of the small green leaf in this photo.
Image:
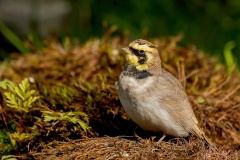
(26, 84)
(70, 114)
(35, 99)
(7, 94)
(81, 114)
(13, 98)
(3, 84)
(29, 101)
(201, 100)
(12, 102)
(47, 112)
(20, 93)
(9, 157)
(74, 120)
(83, 125)
(29, 93)
(25, 103)
(14, 143)
(49, 118)
(7, 84)
(25, 109)
(228, 55)
(22, 87)
(89, 100)
(20, 103)
(11, 85)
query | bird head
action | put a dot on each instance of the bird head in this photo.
(142, 54)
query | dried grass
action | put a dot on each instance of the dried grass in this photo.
(93, 69)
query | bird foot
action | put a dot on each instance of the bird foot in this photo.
(161, 139)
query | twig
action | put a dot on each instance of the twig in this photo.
(216, 88)
(226, 112)
(233, 107)
(189, 75)
(229, 94)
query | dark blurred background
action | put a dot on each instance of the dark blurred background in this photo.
(213, 26)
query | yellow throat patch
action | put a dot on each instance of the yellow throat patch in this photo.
(133, 59)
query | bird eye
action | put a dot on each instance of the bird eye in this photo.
(141, 51)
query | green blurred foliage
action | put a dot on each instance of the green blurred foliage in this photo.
(209, 25)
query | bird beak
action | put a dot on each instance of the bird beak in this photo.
(126, 50)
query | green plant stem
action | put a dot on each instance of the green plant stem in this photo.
(5, 122)
(11, 37)
(21, 124)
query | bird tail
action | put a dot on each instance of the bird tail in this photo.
(198, 132)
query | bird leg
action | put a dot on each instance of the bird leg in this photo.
(161, 139)
(135, 134)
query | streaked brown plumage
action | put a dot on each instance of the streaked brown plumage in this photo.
(153, 97)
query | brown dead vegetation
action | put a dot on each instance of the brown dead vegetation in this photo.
(92, 70)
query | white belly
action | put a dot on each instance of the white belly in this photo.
(143, 107)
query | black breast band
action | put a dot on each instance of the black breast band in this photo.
(132, 71)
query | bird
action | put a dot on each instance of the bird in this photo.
(152, 97)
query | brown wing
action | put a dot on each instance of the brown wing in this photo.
(176, 102)
(178, 95)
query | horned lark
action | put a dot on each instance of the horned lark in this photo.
(153, 97)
